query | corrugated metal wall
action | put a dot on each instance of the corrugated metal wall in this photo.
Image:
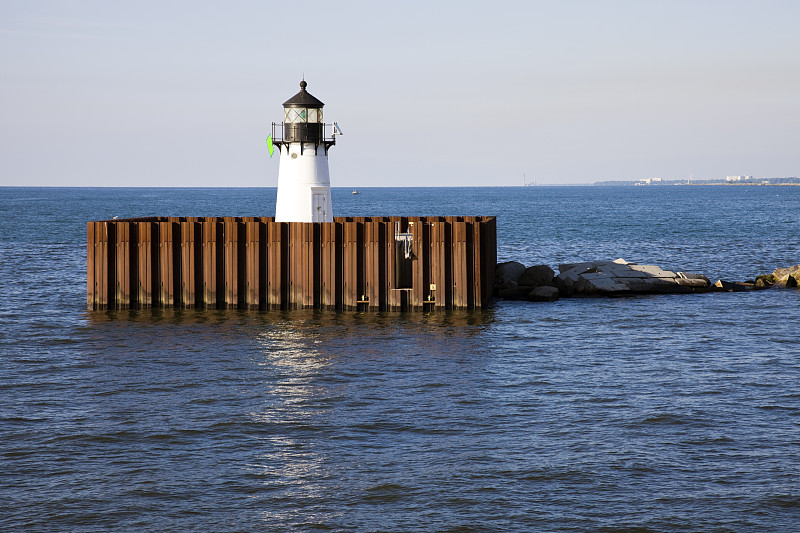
(256, 263)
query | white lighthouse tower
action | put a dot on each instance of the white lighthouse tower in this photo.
(304, 184)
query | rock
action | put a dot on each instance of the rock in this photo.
(695, 281)
(510, 290)
(779, 273)
(612, 278)
(765, 282)
(509, 294)
(537, 276)
(780, 277)
(654, 285)
(505, 285)
(761, 284)
(543, 294)
(569, 266)
(731, 286)
(570, 279)
(508, 271)
(652, 271)
(598, 283)
(787, 277)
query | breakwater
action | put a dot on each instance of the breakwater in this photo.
(539, 283)
(365, 263)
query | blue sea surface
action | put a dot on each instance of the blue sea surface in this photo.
(669, 413)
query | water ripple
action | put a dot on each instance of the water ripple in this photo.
(669, 413)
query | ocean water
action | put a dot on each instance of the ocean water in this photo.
(644, 414)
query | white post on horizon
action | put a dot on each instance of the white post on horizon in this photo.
(304, 185)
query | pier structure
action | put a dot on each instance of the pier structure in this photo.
(351, 263)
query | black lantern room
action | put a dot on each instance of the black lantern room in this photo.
(303, 118)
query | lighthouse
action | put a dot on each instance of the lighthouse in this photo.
(304, 184)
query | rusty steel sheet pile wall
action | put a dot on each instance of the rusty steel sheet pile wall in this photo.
(353, 263)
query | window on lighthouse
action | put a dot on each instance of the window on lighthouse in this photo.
(302, 114)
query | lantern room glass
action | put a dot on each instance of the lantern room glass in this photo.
(296, 115)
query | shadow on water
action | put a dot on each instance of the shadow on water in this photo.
(181, 332)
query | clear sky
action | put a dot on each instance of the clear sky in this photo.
(427, 93)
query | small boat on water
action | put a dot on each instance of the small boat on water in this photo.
(355, 191)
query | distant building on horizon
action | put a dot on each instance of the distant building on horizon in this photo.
(649, 181)
(729, 180)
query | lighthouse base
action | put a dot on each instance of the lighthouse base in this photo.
(353, 263)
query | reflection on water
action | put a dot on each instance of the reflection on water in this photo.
(321, 403)
(332, 386)
(302, 318)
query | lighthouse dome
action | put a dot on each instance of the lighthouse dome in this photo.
(303, 98)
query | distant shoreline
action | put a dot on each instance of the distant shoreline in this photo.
(683, 184)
